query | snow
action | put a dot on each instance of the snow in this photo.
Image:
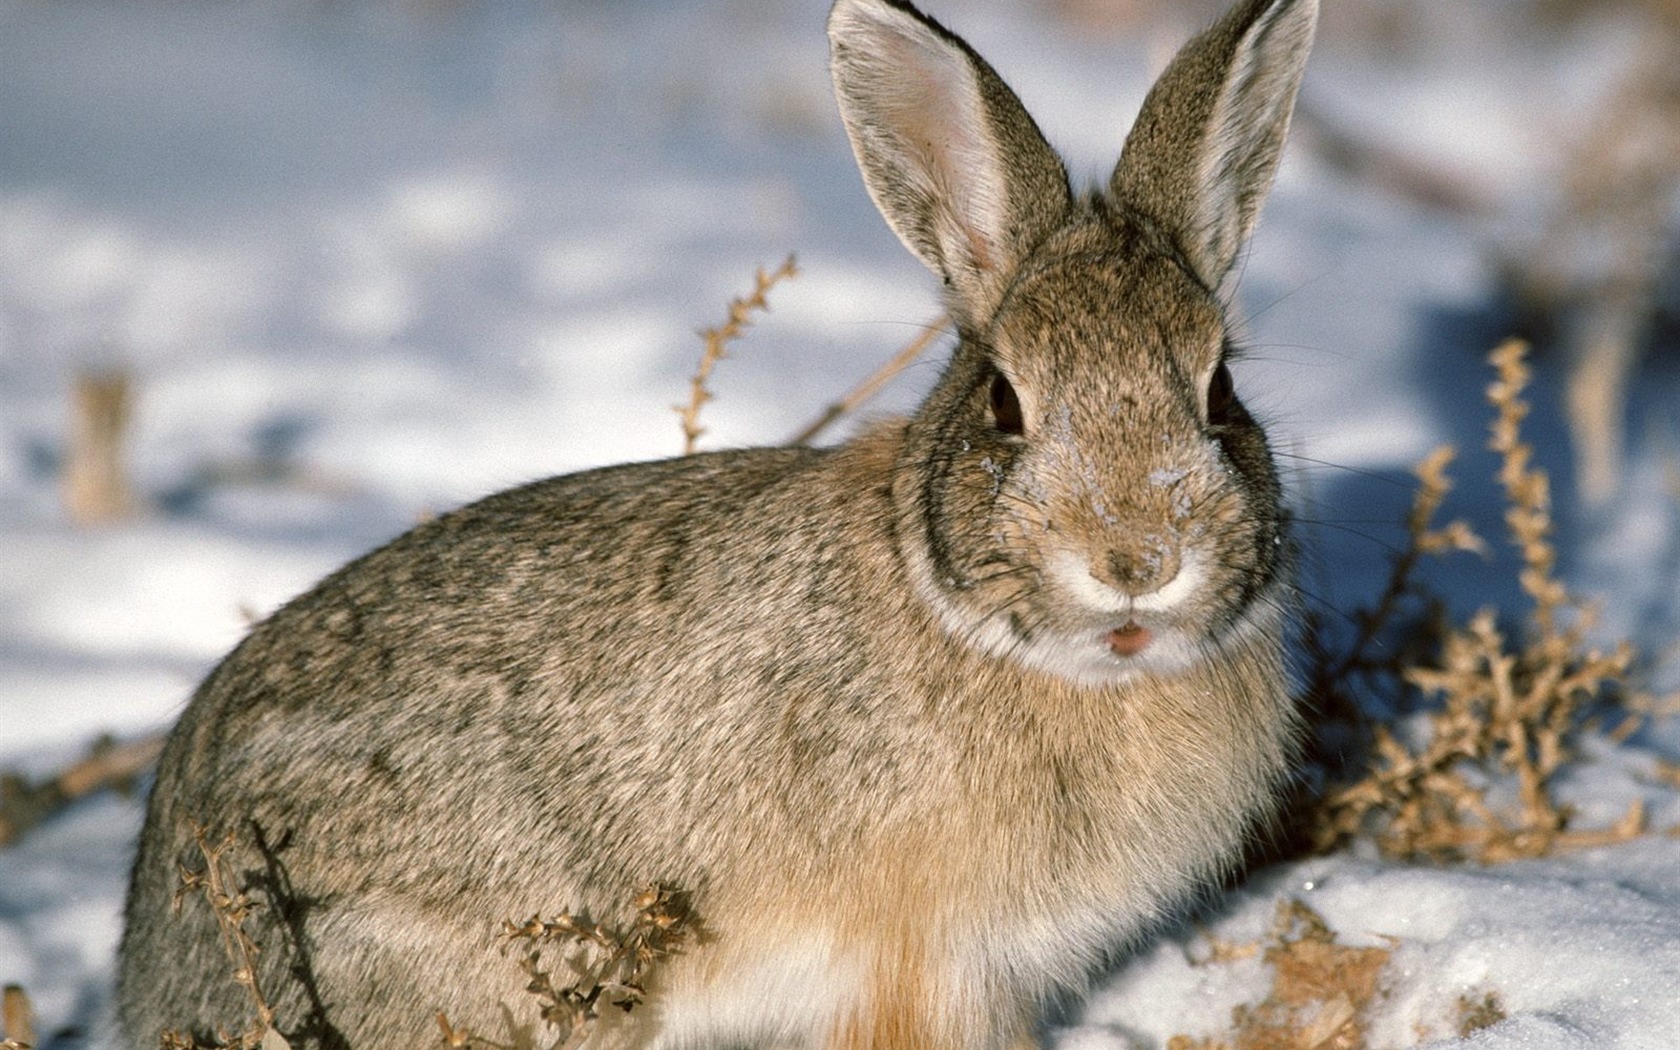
(422, 252)
(1522, 928)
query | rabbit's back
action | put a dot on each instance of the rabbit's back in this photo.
(537, 703)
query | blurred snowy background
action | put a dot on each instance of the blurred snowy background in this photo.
(350, 263)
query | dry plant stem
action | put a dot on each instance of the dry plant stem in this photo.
(1424, 539)
(231, 908)
(716, 345)
(1508, 713)
(605, 966)
(1527, 490)
(96, 489)
(872, 385)
(17, 1019)
(24, 806)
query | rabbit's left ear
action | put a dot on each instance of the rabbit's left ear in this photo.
(1206, 143)
(952, 160)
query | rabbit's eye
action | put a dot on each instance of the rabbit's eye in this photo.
(1221, 394)
(1006, 407)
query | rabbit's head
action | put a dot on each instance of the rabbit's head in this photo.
(1083, 490)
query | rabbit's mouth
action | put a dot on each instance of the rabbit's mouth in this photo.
(1129, 639)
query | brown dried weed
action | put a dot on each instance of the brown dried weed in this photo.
(717, 342)
(1501, 708)
(231, 906)
(604, 966)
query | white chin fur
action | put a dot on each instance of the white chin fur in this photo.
(1086, 659)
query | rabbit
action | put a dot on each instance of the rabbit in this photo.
(924, 728)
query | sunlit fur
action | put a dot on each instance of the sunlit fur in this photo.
(860, 705)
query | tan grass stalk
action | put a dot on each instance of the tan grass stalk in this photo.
(717, 341)
(17, 1019)
(231, 907)
(96, 488)
(873, 383)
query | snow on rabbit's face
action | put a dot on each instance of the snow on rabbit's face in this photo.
(1109, 507)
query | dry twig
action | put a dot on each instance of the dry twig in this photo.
(108, 765)
(872, 385)
(1370, 652)
(717, 341)
(231, 907)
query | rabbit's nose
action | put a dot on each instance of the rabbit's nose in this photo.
(1138, 568)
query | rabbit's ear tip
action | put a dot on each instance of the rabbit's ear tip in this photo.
(848, 14)
(845, 9)
(873, 5)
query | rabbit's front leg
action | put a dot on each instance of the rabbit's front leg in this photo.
(910, 1003)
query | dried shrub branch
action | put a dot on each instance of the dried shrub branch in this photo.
(874, 382)
(231, 907)
(717, 341)
(108, 764)
(1404, 613)
(601, 966)
(1500, 711)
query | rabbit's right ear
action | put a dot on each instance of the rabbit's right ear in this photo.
(952, 160)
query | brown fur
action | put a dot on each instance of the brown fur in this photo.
(856, 703)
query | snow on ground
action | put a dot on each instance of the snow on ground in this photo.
(421, 252)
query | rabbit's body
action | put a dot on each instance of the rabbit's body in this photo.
(922, 726)
(944, 826)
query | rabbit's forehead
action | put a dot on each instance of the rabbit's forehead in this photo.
(1109, 312)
